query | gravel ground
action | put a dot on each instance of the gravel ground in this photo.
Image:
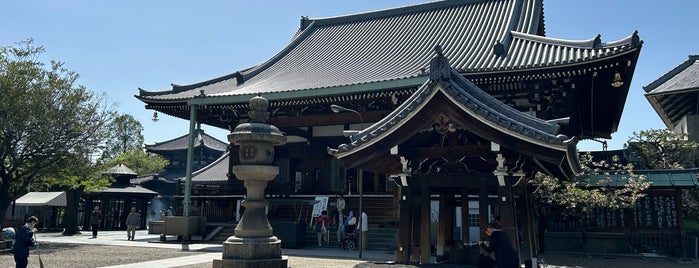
(88, 256)
(85, 256)
(78, 256)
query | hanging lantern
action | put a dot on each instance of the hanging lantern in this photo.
(617, 82)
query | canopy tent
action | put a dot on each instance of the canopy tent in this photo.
(55, 199)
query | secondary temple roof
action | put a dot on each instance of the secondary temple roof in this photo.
(391, 47)
(180, 143)
(673, 95)
(476, 111)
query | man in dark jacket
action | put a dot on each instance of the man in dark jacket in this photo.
(132, 222)
(95, 219)
(23, 240)
(500, 243)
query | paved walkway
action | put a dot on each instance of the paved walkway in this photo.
(209, 251)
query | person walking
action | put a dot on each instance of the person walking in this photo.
(23, 240)
(501, 245)
(132, 222)
(95, 220)
(321, 228)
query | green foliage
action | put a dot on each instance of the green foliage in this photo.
(124, 135)
(662, 148)
(139, 161)
(691, 226)
(49, 125)
(581, 195)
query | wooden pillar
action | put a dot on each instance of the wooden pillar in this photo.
(465, 228)
(528, 249)
(483, 213)
(424, 221)
(680, 225)
(446, 223)
(404, 225)
(507, 212)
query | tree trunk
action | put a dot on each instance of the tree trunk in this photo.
(4, 200)
(70, 218)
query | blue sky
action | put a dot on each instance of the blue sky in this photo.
(119, 46)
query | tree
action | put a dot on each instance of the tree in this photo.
(47, 121)
(125, 134)
(139, 161)
(664, 149)
(579, 196)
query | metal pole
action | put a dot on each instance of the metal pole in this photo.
(360, 177)
(190, 156)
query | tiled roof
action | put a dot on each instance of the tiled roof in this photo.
(180, 143)
(478, 104)
(120, 169)
(658, 178)
(54, 199)
(682, 78)
(673, 95)
(392, 45)
(128, 189)
(214, 172)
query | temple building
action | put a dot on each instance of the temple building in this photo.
(207, 150)
(442, 109)
(117, 199)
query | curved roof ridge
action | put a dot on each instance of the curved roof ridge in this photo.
(691, 59)
(179, 88)
(585, 43)
(504, 111)
(494, 112)
(392, 11)
(532, 51)
(178, 143)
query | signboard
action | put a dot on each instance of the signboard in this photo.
(322, 204)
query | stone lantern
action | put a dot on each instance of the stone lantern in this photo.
(253, 244)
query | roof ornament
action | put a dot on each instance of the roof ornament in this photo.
(305, 22)
(499, 49)
(597, 43)
(635, 40)
(439, 66)
(239, 78)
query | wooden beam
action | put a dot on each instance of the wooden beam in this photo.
(450, 152)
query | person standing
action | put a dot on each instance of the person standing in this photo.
(132, 222)
(95, 220)
(365, 228)
(501, 245)
(340, 205)
(322, 223)
(23, 240)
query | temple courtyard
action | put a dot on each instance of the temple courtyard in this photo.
(112, 249)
